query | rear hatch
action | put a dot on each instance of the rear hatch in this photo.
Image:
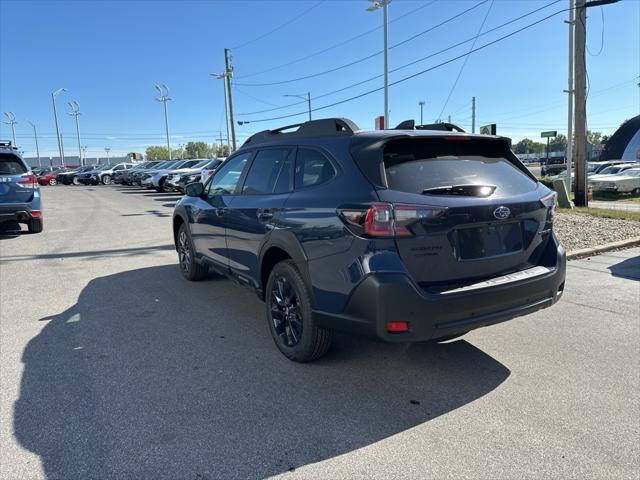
(465, 208)
(17, 183)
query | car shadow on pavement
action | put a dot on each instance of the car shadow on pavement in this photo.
(9, 230)
(628, 268)
(150, 376)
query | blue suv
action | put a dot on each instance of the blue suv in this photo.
(411, 234)
(19, 190)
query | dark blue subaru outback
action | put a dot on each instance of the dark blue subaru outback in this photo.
(412, 234)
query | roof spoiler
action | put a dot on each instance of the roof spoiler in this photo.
(312, 128)
(444, 126)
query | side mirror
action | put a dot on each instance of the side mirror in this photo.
(195, 189)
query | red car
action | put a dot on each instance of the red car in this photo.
(50, 178)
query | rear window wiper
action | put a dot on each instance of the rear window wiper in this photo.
(464, 190)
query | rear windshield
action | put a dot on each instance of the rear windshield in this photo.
(11, 165)
(414, 166)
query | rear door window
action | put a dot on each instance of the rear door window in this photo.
(417, 165)
(11, 165)
(312, 168)
(270, 172)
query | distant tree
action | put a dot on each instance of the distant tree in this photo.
(197, 150)
(558, 144)
(222, 151)
(157, 152)
(526, 145)
(604, 139)
(594, 137)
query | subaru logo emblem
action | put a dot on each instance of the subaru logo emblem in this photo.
(501, 213)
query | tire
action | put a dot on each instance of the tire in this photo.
(290, 318)
(190, 269)
(161, 188)
(106, 179)
(53, 182)
(35, 225)
(75, 181)
(636, 192)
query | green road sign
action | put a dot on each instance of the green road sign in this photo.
(549, 134)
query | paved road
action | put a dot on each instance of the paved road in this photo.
(112, 366)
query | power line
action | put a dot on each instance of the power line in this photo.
(408, 64)
(279, 27)
(337, 45)
(464, 63)
(422, 72)
(362, 59)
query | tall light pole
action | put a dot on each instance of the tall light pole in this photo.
(164, 98)
(570, 92)
(84, 154)
(421, 103)
(222, 76)
(11, 120)
(54, 95)
(384, 4)
(35, 137)
(228, 69)
(107, 149)
(306, 97)
(75, 112)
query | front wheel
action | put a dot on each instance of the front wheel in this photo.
(636, 192)
(53, 182)
(290, 317)
(190, 269)
(75, 181)
(106, 179)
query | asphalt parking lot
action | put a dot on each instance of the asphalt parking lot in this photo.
(113, 366)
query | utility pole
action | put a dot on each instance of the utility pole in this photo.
(35, 137)
(580, 198)
(164, 98)
(473, 114)
(449, 119)
(384, 4)
(306, 97)
(228, 74)
(570, 92)
(421, 103)
(11, 120)
(75, 112)
(55, 116)
(84, 154)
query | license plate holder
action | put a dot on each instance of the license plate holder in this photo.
(489, 240)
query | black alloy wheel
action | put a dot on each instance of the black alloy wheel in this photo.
(290, 316)
(190, 269)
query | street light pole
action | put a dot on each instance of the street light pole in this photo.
(35, 137)
(164, 98)
(11, 120)
(107, 149)
(222, 76)
(306, 97)
(384, 4)
(55, 116)
(75, 112)
(570, 92)
(421, 103)
(84, 154)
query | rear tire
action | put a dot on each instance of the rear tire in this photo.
(75, 181)
(635, 192)
(35, 225)
(106, 179)
(161, 188)
(53, 182)
(291, 322)
(190, 269)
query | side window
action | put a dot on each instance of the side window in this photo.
(312, 168)
(270, 172)
(226, 178)
(118, 167)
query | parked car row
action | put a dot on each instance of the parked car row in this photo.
(615, 176)
(171, 175)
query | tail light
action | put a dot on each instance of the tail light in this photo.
(388, 220)
(29, 180)
(551, 202)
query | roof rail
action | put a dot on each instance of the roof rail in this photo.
(5, 143)
(447, 127)
(312, 128)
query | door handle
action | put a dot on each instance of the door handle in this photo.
(265, 214)
(220, 211)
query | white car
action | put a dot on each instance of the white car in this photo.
(625, 182)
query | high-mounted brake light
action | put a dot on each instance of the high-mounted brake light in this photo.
(550, 201)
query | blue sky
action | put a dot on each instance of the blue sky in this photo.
(109, 54)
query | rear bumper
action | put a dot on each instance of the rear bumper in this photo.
(19, 212)
(393, 297)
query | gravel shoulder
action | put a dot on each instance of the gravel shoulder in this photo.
(578, 231)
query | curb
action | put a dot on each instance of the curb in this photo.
(587, 252)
